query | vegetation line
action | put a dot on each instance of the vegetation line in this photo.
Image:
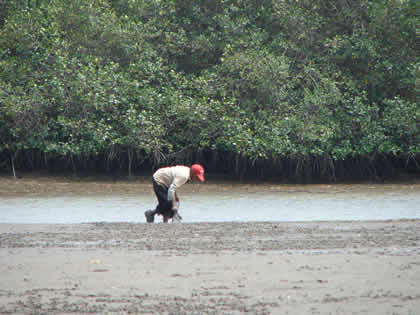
(296, 89)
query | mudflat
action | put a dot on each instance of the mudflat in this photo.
(330, 267)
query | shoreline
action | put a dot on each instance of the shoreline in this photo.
(346, 267)
(65, 186)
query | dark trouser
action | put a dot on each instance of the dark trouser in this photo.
(164, 207)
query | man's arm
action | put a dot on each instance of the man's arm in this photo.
(171, 192)
(175, 203)
(172, 196)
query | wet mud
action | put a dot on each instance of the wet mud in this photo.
(338, 267)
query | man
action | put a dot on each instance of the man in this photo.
(166, 181)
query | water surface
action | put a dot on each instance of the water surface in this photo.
(77, 202)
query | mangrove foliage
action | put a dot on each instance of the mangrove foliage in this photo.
(279, 88)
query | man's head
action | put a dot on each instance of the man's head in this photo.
(197, 172)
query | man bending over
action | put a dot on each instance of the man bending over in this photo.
(166, 181)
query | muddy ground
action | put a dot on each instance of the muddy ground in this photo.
(211, 268)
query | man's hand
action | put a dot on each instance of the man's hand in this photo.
(175, 206)
(176, 216)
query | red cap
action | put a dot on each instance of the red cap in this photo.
(198, 171)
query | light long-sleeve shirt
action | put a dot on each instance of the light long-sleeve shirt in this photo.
(172, 177)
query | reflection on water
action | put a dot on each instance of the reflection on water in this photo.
(80, 202)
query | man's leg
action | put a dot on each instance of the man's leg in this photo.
(161, 193)
(150, 216)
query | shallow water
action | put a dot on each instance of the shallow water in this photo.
(69, 202)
